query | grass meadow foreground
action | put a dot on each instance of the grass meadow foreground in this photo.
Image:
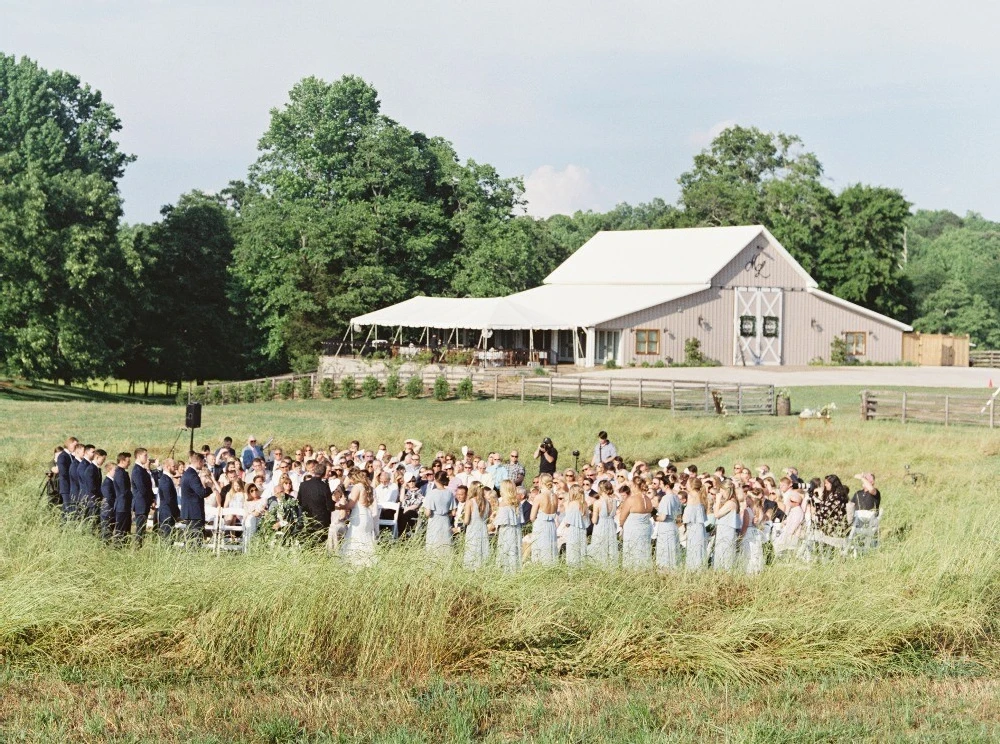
(156, 645)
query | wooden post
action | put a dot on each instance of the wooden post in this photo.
(904, 406)
(550, 390)
(609, 392)
(946, 411)
(864, 405)
(522, 388)
(673, 398)
(312, 385)
(579, 391)
(496, 387)
(707, 396)
(739, 398)
(640, 392)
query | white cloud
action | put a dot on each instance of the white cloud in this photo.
(703, 138)
(551, 191)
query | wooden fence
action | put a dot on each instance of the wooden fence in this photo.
(984, 358)
(936, 349)
(695, 398)
(928, 408)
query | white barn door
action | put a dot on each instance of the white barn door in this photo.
(758, 326)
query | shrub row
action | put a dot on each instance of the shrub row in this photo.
(250, 392)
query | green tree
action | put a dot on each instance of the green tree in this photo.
(862, 263)
(347, 211)
(59, 209)
(955, 309)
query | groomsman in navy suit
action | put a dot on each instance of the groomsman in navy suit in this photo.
(142, 492)
(75, 502)
(90, 480)
(169, 511)
(123, 498)
(193, 494)
(63, 462)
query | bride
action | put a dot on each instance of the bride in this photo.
(362, 530)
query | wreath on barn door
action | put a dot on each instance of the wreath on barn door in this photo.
(770, 326)
(748, 326)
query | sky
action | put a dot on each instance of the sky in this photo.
(593, 103)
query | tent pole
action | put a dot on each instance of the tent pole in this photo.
(343, 340)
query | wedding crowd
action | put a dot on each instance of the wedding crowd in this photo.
(484, 507)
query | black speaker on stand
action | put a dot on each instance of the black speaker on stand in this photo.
(192, 420)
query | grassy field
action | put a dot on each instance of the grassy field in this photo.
(159, 646)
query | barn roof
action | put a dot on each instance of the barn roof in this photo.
(691, 255)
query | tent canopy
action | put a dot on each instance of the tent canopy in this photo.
(548, 307)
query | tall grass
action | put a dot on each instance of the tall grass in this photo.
(931, 592)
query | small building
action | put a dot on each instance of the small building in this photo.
(636, 296)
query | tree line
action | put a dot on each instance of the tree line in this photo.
(346, 210)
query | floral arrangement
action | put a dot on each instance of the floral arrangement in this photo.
(824, 412)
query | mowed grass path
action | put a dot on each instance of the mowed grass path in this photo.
(310, 649)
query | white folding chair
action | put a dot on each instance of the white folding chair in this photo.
(229, 536)
(864, 532)
(389, 521)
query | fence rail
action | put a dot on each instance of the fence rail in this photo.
(984, 358)
(928, 408)
(694, 398)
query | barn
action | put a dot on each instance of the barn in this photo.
(638, 295)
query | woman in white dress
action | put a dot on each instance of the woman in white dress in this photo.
(508, 524)
(574, 522)
(439, 507)
(604, 539)
(637, 528)
(477, 538)
(544, 543)
(362, 529)
(729, 522)
(752, 543)
(668, 545)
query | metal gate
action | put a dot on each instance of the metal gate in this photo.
(757, 326)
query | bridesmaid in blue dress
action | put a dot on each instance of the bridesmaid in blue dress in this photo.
(477, 538)
(604, 539)
(694, 522)
(575, 521)
(637, 528)
(439, 506)
(729, 523)
(544, 543)
(668, 544)
(508, 524)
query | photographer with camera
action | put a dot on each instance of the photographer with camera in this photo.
(546, 454)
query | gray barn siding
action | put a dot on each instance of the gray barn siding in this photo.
(804, 341)
(776, 271)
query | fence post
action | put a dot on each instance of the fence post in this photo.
(550, 390)
(522, 388)
(609, 392)
(496, 387)
(946, 410)
(904, 406)
(579, 391)
(864, 405)
(673, 398)
(312, 385)
(707, 395)
(640, 392)
(739, 398)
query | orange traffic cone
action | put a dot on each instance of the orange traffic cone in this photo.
(989, 384)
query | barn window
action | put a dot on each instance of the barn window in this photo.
(748, 326)
(857, 342)
(647, 341)
(770, 326)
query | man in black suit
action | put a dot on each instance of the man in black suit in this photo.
(193, 495)
(123, 498)
(169, 511)
(107, 519)
(63, 462)
(142, 492)
(317, 504)
(90, 481)
(75, 487)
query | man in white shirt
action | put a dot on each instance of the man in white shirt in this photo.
(386, 491)
(604, 450)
